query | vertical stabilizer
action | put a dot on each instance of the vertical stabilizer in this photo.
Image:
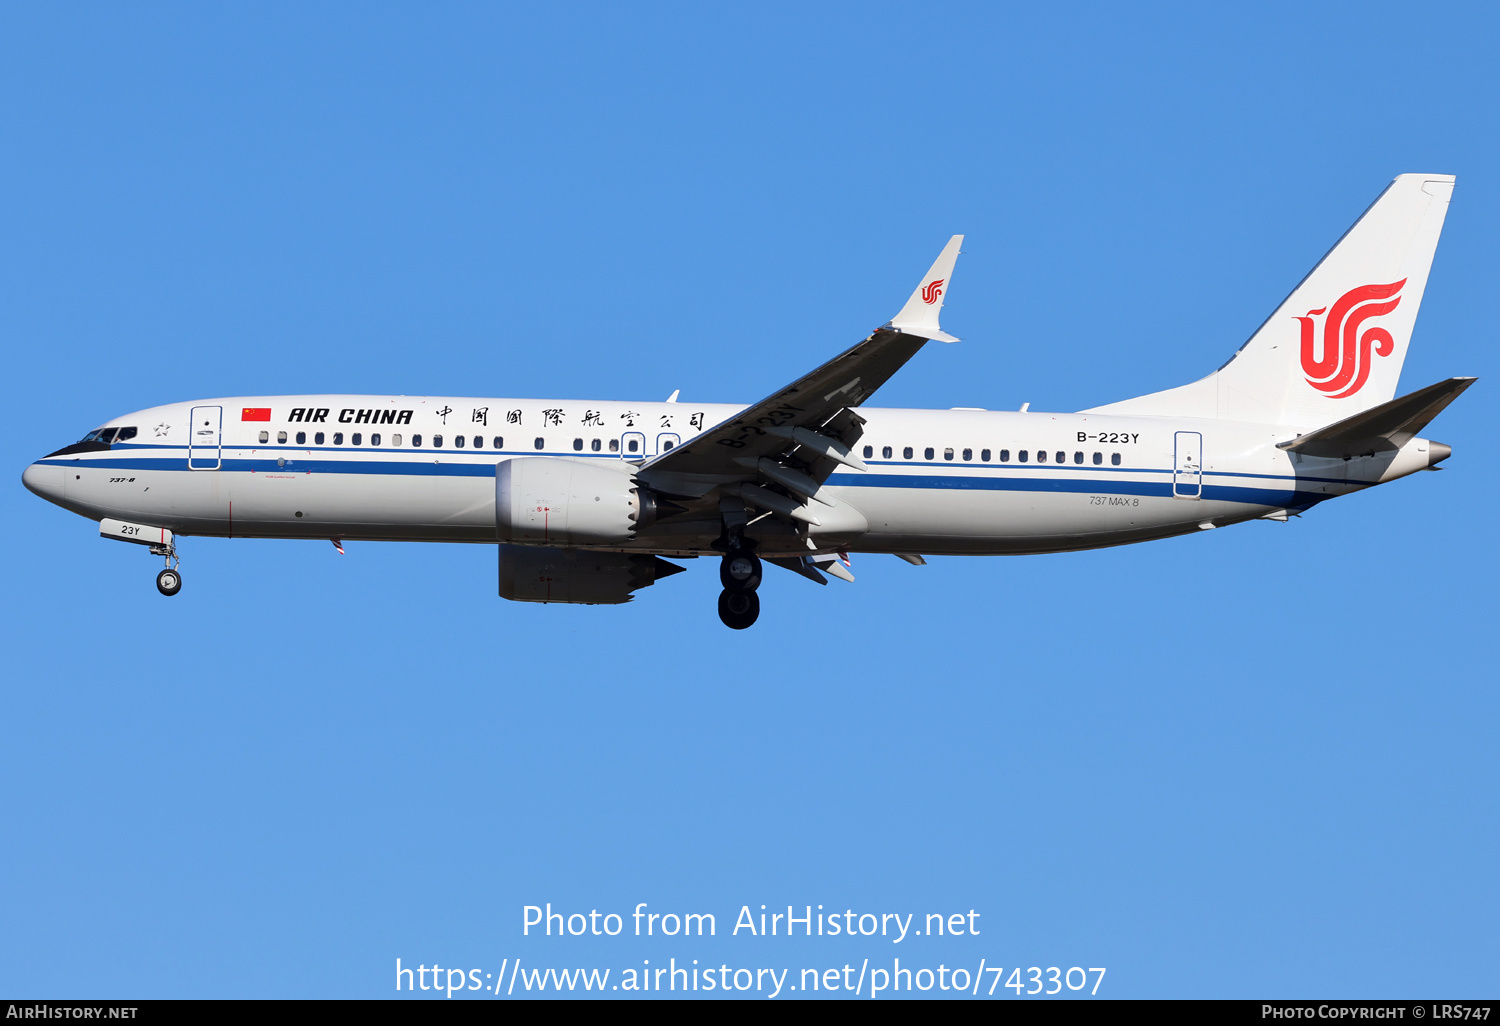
(1335, 346)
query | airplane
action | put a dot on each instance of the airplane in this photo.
(588, 501)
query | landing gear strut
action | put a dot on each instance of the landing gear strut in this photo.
(169, 581)
(739, 606)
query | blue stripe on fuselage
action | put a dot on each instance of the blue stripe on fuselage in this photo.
(1073, 480)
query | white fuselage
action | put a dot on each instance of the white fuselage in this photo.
(938, 481)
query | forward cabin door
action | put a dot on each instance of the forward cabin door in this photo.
(204, 437)
(1187, 466)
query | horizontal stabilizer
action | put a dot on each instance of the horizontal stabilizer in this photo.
(1384, 428)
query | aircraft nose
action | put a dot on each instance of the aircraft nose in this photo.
(45, 481)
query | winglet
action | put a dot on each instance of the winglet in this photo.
(920, 314)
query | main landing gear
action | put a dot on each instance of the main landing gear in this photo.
(169, 581)
(739, 606)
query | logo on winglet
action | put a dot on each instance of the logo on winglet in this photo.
(1344, 363)
(932, 290)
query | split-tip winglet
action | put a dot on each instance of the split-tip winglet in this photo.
(920, 314)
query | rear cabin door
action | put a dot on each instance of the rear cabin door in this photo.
(1187, 466)
(204, 437)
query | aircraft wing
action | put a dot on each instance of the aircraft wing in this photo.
(812, 413)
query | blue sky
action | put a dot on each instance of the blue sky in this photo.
(1259, 761)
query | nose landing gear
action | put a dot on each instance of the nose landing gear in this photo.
(739, 606)
(169, 581)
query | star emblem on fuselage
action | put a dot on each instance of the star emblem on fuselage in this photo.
(162, 429)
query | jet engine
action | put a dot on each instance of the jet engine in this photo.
(543, 500)
(533, 573)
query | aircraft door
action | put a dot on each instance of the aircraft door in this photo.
(1187, 466)
(667, 440)
(633, 446)
(204, 430)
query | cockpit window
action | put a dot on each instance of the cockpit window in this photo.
(109, 434)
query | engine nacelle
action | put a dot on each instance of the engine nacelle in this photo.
(543, 500)
(532, 573)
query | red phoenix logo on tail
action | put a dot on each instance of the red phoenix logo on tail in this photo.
(931, 291)
(1344, 365)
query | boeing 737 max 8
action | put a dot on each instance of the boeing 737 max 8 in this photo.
(585, 498)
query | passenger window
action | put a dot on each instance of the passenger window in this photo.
(437, 441)
(356, 439)
(968, 454)
(1062, 457)
(338, 438)
(1041, 456)
(594, 445)
(499, 442)
(634, 445)
(948, 454)
(1078, 457)
(1098, 458)
(1004, 455)
(667, 445)
(126, 433)
(301, 437)
(318, 438)
(540, 443)
(614, 445)
(396, 440)
(281, 438)
(458, 441)
(1021, 456)
(374, 439)
(928, 453)
(984, 455)
(416, 441)
(869, 451)
(885, 453)
(906, 452)
(578, 445)
(479, 441)
(1114, 458)
(265, 436)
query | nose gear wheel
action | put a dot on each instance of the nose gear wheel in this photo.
(169, 582)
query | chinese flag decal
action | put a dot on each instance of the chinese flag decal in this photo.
(251, 413)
